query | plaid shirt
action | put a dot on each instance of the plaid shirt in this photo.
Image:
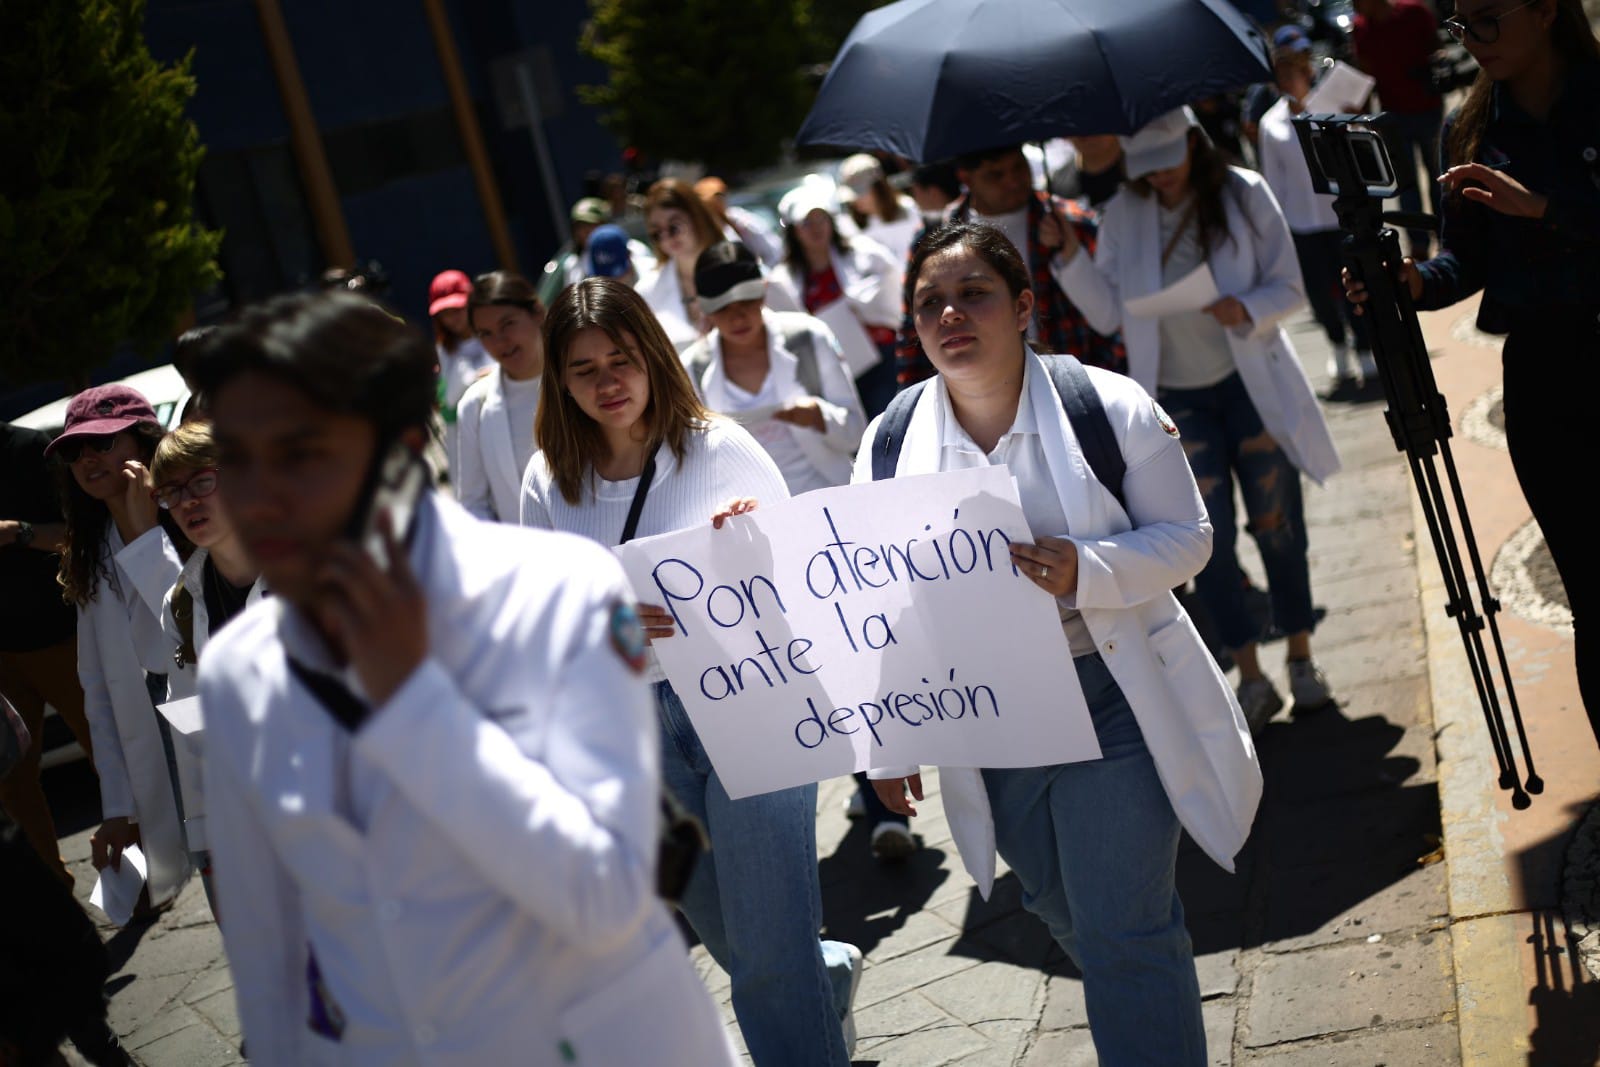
(1062, 327)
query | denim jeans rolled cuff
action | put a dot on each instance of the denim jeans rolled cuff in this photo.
(755, 902)
(1095, 847)
(1223, 438)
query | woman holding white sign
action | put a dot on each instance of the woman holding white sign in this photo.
(628, 450)
(1225, 371)
(1094, 843)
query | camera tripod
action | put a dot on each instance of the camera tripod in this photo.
(1348, 159)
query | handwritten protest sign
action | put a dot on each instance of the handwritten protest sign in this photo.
(874, 625)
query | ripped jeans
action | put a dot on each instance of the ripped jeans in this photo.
(1224, 439)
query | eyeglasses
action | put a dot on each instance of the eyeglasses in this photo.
(72, 449)
(201, 484)
(1485, 29)
(672, 229)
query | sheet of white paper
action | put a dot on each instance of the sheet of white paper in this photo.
(860, 354)
(873, 625)
(1192, 292)
(183, 716)
(117, 892)
(750, 416)
(1343, 89)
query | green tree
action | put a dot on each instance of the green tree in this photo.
(718, 81)
(96, 193)
(829, 22)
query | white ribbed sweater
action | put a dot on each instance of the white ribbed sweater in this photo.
(720, 461)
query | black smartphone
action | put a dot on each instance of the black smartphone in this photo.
(395, 485)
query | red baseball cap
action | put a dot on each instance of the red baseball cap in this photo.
(104, 410)
(449, 290)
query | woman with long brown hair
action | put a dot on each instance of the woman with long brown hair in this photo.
(623, 434)
(680, 228)
(116, 544)
(1521, 221)
(1226, 373)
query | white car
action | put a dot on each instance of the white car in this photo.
(163, 387)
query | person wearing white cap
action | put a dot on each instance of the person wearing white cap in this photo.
(1309, 213)
(823, 267)
(879, 211)
(1225, 372)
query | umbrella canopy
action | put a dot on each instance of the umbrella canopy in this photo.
(931, 79)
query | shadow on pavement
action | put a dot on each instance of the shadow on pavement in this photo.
(1565, 998)
(865, 901)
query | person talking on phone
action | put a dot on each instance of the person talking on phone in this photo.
(431, 781)
(628, 450)
(1521, 221)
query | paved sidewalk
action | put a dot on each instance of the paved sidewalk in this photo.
(1331, 946)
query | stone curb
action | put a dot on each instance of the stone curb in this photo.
(1489, 986)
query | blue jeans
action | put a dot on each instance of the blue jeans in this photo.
(1095, 846)
(1223, 438)
(755, 903)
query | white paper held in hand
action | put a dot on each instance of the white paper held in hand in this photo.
(1195, 291)
(116, 892)
(1342, 89)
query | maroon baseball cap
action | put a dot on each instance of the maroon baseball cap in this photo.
(449, 290)
(104, 410)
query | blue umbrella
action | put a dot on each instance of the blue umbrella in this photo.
(931, 79)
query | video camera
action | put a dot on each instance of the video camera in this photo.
(1348, 160)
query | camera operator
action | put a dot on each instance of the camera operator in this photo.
(1521, 221)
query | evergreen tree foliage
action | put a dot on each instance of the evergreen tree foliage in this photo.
(718, 81)
(96, 193)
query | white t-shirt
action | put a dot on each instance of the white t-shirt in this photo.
(522, 404)
(799, 473)
(1194, 347)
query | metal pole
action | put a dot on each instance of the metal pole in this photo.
(541, 148)
(471, 137)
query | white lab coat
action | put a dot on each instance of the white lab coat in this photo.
(458, 370)
(830, 452)
(1127, 568)
(474, 868)
(1258, 267)
(490, 481)
(869, 275)
(117, 634)
(182, 681)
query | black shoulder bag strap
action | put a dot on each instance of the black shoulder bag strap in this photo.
(635, 509)
(680, 838)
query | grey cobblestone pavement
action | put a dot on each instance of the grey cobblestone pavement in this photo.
(1330, 946)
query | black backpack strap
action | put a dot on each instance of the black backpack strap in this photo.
(892, 431)
(1087, 414)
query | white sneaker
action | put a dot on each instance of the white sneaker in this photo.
(855, 805)
(1308, 685)
(1260, 702)
(857, 965)
(1339, 365)
(892, 841)
(1369, 368)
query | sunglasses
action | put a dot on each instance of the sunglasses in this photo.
(1485, 29)
(201, 484)
(69, 451)
(672, 229)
